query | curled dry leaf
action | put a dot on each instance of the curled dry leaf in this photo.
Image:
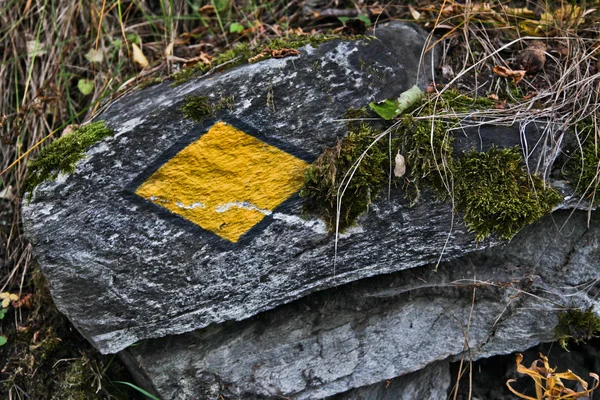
(258, 57)
(281, 53)
(400, 167)
(25, 301)
(207, 10)
(509, 73)
(548, 383)
(138, 56)
(202, 58)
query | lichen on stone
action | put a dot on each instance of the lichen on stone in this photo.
(200, 108)
(61, 155)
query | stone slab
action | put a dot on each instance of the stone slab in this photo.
(503, 299)
(130, 255)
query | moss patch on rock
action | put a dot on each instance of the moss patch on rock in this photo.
(200, 108)
(497, 195)
(492, 189)
(61, 155)
(576, 325)
(322, 179)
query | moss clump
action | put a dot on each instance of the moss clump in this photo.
(427, 149)
(582, 170)
(199, 108)
(576, 325)
(322, 179)
(496, 193)
(493, 189)
(61, 155)
(242, 52)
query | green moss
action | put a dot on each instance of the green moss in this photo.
(497, 195)
(582, 169)
(452, 99)
(576, 325)
(327, 172)
(427, 149)
(150, 82)
(199, 108)
(61, 155)
(492, 190)
(241, 53)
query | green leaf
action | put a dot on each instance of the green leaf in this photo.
(385, 109)
(221, 5)
(134, 38)
(139, 389)
(236, 27)
(85, 86)
(365, 19)
(3, 340)
(3, 311)
(391, 108)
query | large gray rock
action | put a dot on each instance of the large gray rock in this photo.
(498, 301)
(124, 268)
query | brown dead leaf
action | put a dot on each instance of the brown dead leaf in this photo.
(509, 73)
(69, 129)
(281, 53)
(375, 9)
(207, 10)
(202, 58)
(501, 106)
(25, 301)
(259, 57)
(493, 96)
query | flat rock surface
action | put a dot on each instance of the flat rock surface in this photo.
(498, 301)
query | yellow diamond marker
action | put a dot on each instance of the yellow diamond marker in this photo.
(225, 182)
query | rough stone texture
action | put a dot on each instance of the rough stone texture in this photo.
(387, 326)
(123, 269)
(429, 383)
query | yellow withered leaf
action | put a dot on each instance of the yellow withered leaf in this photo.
(548, 384)
(138, 56)
(7, 298)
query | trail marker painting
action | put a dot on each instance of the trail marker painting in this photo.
(226, 182)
